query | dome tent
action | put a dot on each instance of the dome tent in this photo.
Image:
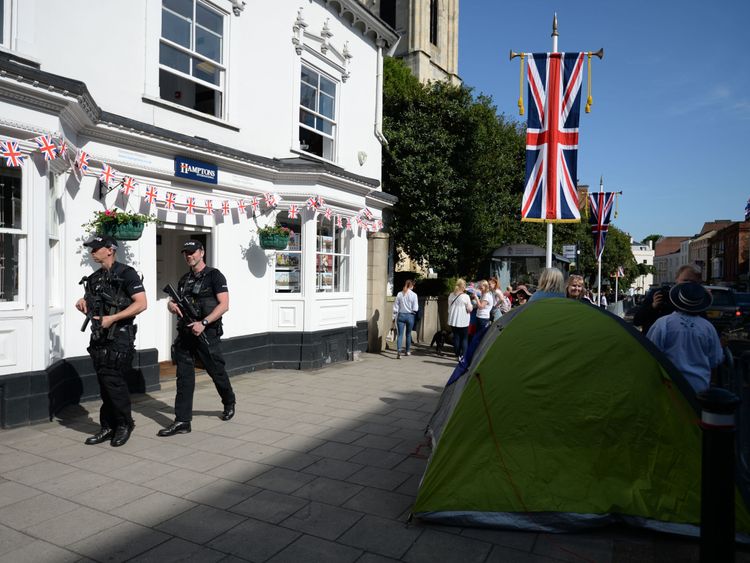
(566, 418)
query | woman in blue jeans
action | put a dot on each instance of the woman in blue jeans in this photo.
(405, 311)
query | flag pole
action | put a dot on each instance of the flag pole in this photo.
(599, 257)
(549, 224)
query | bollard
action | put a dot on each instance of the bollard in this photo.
(717, 478)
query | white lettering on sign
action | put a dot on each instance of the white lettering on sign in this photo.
(186, 168)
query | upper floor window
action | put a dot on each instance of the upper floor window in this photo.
(434, 22)
(191, 54)
(317, 114)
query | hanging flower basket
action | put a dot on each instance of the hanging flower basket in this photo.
(118, 224)
(273, 237)
(122, 231)
(273, 242)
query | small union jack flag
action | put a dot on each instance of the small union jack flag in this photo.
(108, 175)
(328, 213)
(601, 208)
(82, 161)
(271, 199)
(46, 147)
(170, 201)
(190, 205)
(552, 137)
(12, 154)
(225, 207)
(255, 204)
(241, 205)
(151, 194)
(339, 223)
(312, 203)
(365, 212)
(128, 185)
(62, 147)
(293, 212)
(349, 224)
(209, 207)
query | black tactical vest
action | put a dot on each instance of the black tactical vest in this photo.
(110, 283)
(199, 291)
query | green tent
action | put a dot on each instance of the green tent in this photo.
(566, 418)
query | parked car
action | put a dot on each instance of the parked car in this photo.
(725, 311)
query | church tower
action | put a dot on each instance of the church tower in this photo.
(429, 35)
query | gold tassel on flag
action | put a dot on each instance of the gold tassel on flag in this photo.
(520, 87)
(589, 99)
(617, 197)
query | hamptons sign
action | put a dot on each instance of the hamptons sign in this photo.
(196, 170)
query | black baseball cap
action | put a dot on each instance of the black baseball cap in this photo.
(101, 241)
(191, 246)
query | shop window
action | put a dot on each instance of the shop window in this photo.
(317, 123)
(288, 268)
(332, 257)
(191, 52)
(11, 233)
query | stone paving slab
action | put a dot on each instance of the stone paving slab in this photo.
(321, 465)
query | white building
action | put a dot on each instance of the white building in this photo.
(262, 98)
(643, 254)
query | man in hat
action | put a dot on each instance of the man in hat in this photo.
(656, 303)
(689, 341)
(206, 289)
(114, 296)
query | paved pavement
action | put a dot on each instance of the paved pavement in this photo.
(316, 466)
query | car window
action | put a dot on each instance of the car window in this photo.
(742, 298)
(722, 299)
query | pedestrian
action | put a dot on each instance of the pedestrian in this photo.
(520, 295)
(502, 303)
(205, 288)
(486, 302)
(657, 304)
(459, 317)
(114, 295)
(405, 311)
(551, 284)
(689, 341)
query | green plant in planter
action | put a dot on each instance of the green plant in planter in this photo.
(274, 237)
(118, 224)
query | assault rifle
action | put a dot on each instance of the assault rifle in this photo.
(189, 313)
(99, 304)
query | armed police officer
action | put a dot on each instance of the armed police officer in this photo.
(205, 290)
(114, 295)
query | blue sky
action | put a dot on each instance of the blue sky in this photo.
(670, 124)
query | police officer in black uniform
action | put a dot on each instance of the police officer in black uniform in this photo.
(206, 289)
(114, 296)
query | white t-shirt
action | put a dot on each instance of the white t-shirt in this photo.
(459, 310)
(484, 312)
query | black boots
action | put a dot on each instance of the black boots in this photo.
(103, 435)
(175, 428)
(228, 413)
(122, 434)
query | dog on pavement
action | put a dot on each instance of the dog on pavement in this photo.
(439, 340)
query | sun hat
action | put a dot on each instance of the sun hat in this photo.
(522, 288)
(690, 297)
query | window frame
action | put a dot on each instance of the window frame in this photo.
(333, 138)
(21, 232)
(192, 54)
(338, 236)
(434, 12)
(299, 252)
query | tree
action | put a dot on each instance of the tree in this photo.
(652, 238)
(457, 169)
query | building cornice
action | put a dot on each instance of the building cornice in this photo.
(359, 17)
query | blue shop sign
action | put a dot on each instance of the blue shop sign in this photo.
(196, 170)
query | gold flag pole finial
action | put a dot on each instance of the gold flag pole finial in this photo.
(554, 25)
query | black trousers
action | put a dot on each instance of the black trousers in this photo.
(187, 347)
(112, 360)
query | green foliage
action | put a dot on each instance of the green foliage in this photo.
(113, 216)
(653, 238)
(457, 169)
(272, 230)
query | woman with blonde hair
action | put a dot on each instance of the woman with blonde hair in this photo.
(486, 301)
(459, 316)
(551, 284)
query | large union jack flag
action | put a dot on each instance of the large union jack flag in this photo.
(601, 208)
(552, 138)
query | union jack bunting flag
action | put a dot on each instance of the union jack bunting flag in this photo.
(328, 213)
(10, 152)
(241, 205)
(339, 222)
(46, 147)
(225, 207)
(270, 199)
(108, 175)
(601, 208)
(151, 194)
(82, 161)
(365, 212)
(209, 207)
(552, 138)
(312, 203)
(190, 206)
(128, 185)
(293, 211)
(62, 147)
(747, 210)
(170, 200)
(255, 204)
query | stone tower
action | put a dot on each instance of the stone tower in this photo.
(429, 35)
